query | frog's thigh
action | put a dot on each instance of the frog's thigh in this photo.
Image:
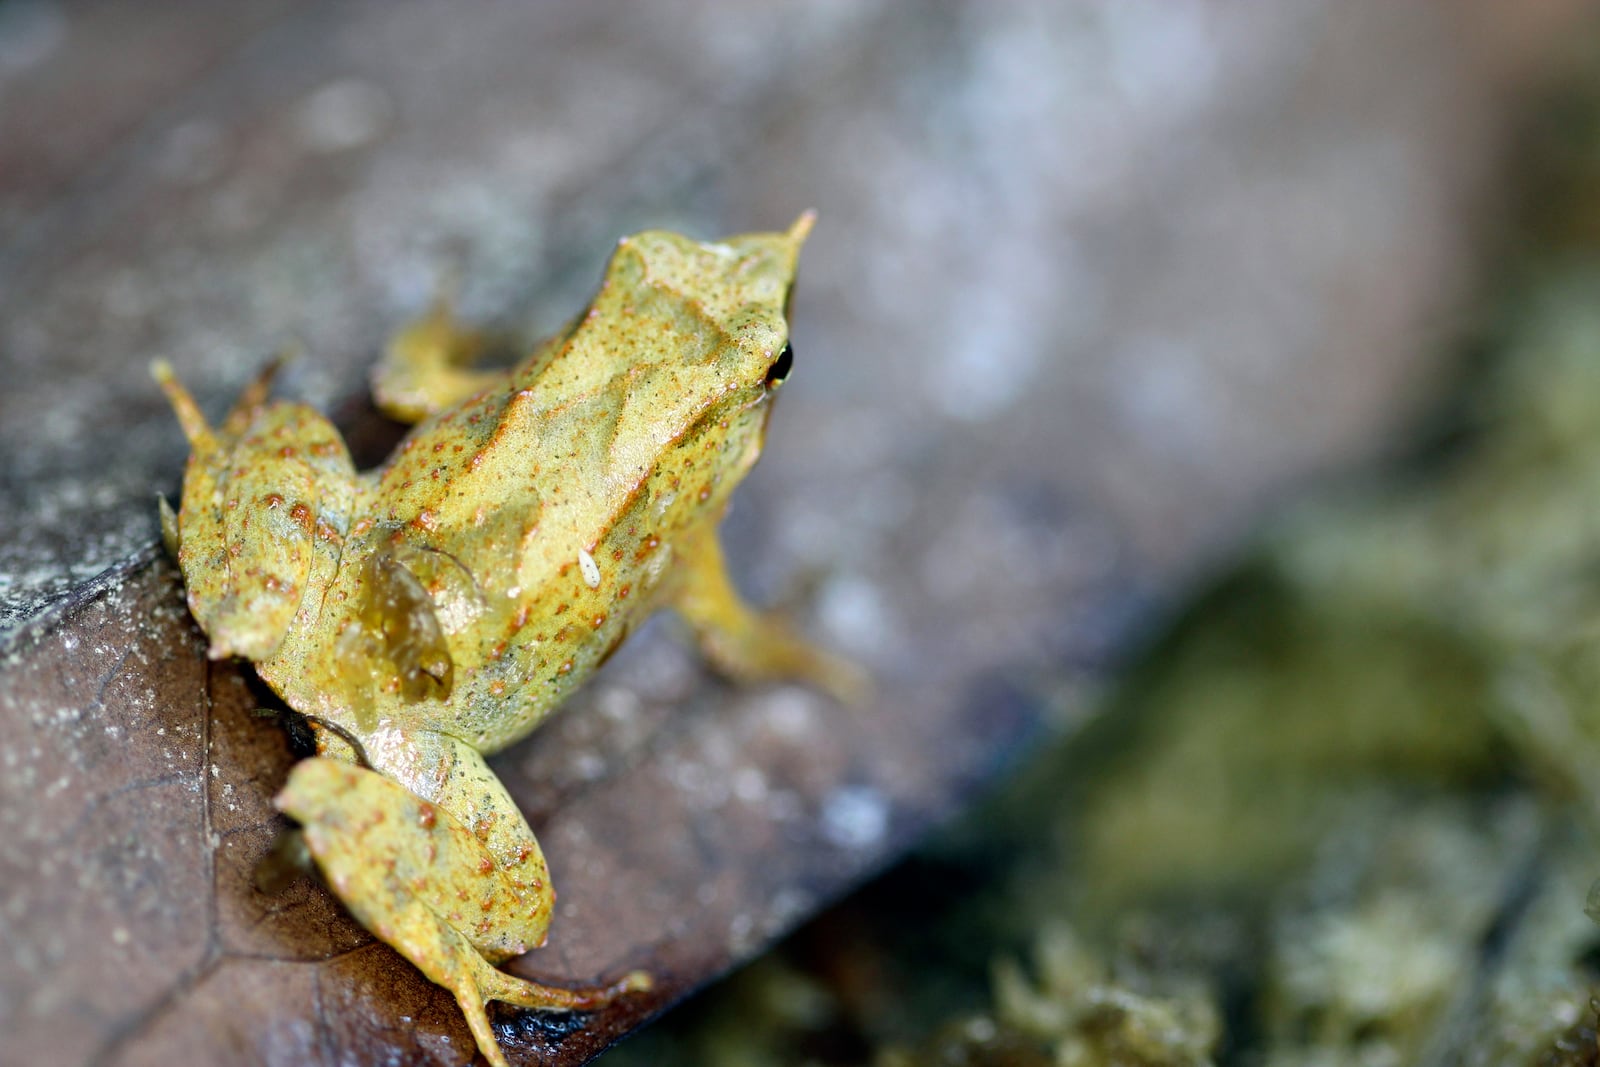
(432, 807)
(427, 367)
(263, 496)
(741, 642)
(424, 883)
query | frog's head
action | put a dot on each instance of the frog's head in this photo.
(705, 330)
(754, 280)
(718, 310)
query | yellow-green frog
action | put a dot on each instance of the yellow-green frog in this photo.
(437, 609)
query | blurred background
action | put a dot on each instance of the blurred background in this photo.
(1195, 424)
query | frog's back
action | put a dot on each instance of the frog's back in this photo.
(540, 518)
(674, 331)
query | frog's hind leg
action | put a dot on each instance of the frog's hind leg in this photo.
(743, 643)
(452, 900)
(266, 498)
(427, 366)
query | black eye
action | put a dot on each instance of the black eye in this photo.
(780, 367)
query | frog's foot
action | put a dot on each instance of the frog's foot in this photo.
(428, 366)
(746, 644)
(414, 874)
(254, 397)
(448, 959)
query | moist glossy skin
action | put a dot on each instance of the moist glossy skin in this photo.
(438, 608)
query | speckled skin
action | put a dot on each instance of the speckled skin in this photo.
(439, 608)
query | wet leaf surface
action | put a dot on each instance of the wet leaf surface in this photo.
(145, 774)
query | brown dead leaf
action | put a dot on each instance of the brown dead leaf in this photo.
(137, 797)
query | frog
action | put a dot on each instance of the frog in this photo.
(430, 612)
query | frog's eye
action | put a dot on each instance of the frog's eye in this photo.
(780, 367)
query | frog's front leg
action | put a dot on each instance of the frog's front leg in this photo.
(427, 366)
(743, 643)
(445, 871)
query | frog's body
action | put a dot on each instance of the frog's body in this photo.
(437, 609)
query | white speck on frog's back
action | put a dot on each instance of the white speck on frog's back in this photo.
(591, 569)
